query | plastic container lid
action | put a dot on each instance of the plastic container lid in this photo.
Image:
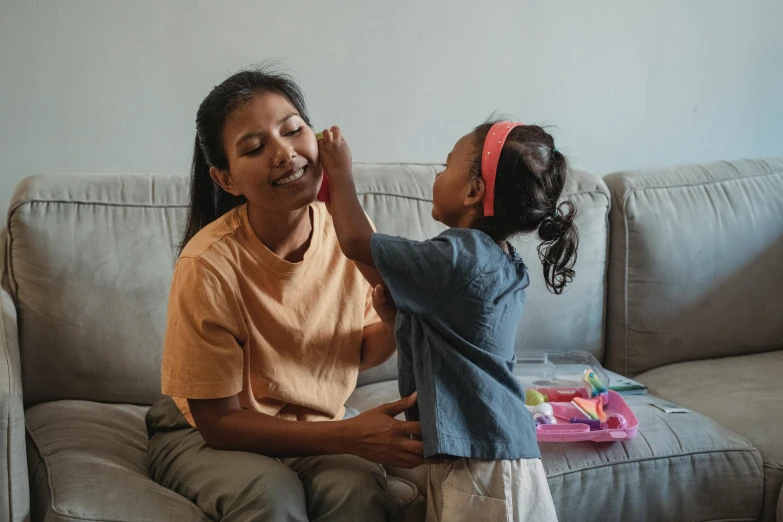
(557, 369)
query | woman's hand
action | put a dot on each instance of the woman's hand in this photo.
(335, 153)
(377, 436)
(384, 305)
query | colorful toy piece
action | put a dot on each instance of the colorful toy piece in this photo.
(544, 408)
(594, 386)
(534, 397)
(594, 424)
(543, 413)
(561, 394)
(591, 408)
(616, 421)
(540, 419)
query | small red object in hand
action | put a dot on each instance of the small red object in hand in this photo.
(323, 193)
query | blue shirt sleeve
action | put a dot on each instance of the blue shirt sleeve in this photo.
(422, 274)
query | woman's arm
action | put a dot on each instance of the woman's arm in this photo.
(377, 345)
(378, 342)
(374, 435)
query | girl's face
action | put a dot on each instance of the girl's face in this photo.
(272, 155)
(455, 195)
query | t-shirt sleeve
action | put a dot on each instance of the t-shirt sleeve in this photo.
(422, 274)
(202, 351)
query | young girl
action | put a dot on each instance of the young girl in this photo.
(268, 326)
(460, 298)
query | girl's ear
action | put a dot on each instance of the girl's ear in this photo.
(223, 178)
(475, 192)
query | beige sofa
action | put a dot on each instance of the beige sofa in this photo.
(679, 282)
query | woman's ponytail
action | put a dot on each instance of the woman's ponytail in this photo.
(202, 209)
(208, 201)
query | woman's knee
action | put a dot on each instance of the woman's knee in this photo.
(283, 484)
(358, 488)
(270, 496)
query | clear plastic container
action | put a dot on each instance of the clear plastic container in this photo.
(564, 431)
(559, 374)
(557, 369)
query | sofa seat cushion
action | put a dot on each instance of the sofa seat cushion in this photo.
(744, 394)
(88, 461)
(679, 467)
(780, 506)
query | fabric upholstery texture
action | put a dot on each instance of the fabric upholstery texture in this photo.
(88, 460)
(91, 259)
(744, 394)
(679, 467)
(15, 496)
(695, 274)
(695, 263)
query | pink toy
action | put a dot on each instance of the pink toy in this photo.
(613, 422)
(561, 394)
(616, 408)
(616, 421)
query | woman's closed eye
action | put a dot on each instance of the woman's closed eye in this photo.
(257, 150)
(254, 151)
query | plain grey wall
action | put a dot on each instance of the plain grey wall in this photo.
(113, 86)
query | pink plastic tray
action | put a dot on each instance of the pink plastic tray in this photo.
(564, 431)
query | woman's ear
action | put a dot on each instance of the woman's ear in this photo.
(223, 178)
(475, 192)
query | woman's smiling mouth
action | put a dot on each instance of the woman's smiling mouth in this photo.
(291, 178)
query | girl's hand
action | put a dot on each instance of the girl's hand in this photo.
(377, 436)
(384, 305)
(335, 153)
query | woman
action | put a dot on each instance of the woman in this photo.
(268, 326)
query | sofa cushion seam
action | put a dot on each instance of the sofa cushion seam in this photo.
(663, 457)
(776, 172)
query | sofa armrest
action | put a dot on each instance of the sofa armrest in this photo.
(14, 485)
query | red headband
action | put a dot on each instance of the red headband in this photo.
(496, 137)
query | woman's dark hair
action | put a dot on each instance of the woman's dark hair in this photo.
(530, 178)
(208, 200)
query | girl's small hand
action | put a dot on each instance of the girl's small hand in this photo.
(335, 153)
(377, 436)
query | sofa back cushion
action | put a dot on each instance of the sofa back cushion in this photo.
(695, 267)
(91, 259)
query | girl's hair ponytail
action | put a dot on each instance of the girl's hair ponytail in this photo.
(557, 251)
(208, 201)
(531, 175)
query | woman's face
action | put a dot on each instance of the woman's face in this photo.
(272, 155)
